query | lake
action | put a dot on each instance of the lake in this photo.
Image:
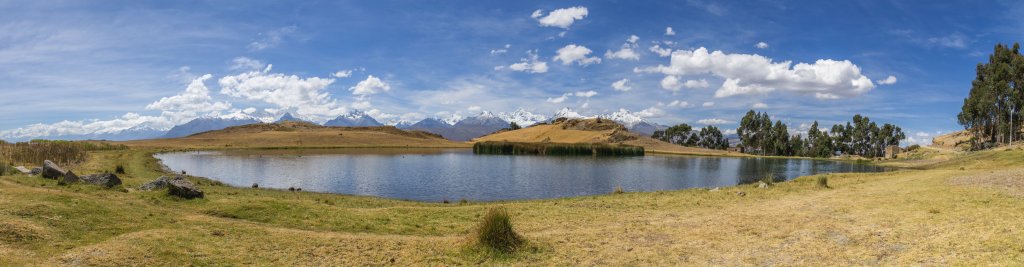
(435, 175)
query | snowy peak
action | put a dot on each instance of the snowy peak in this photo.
(356, 118)
(624, 117)
(522, 117)
(567, 113)
(288, 117)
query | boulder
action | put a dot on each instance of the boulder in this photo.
(181, 187)
(36, 171)
(51, 170)
(68, 178)
(107, 180)
(159, 183)
(23, 170)
(762, 185)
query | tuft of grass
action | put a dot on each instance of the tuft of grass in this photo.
(119, 169)
(823, 182)
(495, 231)
(618, 190)
(768, 179)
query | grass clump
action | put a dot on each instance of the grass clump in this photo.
(618, 190)
(823, 182)
(119, 169)
(495, 232)
(768, 179)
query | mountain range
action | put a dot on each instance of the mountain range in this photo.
(455, 128)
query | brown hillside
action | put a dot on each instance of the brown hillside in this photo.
(959, 140)
(300, 134)
(594, 131)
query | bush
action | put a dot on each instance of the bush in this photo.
(913, 147)
(119, 169)
(495, 231)
(768, 179)
(823, 181)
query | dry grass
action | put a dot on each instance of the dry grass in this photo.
(910, 217)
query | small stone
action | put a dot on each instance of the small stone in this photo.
(107, 180)
(155, 184)
(255, 185)
(741, 193)
(716, 189)
(36, 171)
(68, 178)
(762, 185)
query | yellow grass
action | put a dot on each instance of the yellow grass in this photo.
(941, 214)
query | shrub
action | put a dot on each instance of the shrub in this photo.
(119, 169)
(823, 181)
(495, 231)
(768, 179)
(913, 147)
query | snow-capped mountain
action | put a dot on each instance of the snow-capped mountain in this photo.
(624, 117)
(356, 118)
(522, 117)
(288, 117)
(206, 124)
(567, 113)
(453, 119)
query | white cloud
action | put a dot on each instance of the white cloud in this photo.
(193, 102)
(244, 63)
(761, 45)
(713, 121)
(651, 112)
(955, 40)
(887, 81)
(271, 38)
(342, 74)
(576, 53)
(559, 99)
(370, 86)
(669, 31)
(622, 85)
(365, 104)
(708, 104)
(303, 96)
(673, 83)
(500, 50)
(678, 104)
(759, 105)
(662, 52)
(748, 74)
(562, 18)
(922, 134)
(474, 108)
(587, 94)
(632, 39)
(531, 64)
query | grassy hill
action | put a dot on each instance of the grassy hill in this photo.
(291, 134)
(595, 131)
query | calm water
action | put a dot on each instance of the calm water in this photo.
(435, 175)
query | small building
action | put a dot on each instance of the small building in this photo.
(891, 151)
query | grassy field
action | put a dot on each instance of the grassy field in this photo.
(963, 210)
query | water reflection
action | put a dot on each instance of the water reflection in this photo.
(434, 175)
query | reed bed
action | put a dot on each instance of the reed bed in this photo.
(60, 152)
(556, 149)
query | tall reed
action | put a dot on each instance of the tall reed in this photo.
(60, 152)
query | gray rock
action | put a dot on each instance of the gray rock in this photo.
(51, 170)
(762, 185)
(36, 171)
(68, 178)
(159, 183)
(23, 170)
(181, 187)
(107, 180)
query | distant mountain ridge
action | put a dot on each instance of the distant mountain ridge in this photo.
(206, 124)
(356, 118)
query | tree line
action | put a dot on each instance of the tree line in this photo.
(758, 134)
(991, 110)
(683, 134)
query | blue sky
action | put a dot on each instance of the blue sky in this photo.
(79, 67)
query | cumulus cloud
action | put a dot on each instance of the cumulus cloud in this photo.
(304, 96)
(622, 85)
(887, 81)
(562, 18)
(191, 103)
(669, 31)
(587, 94)
(370, 86)
(474, 108)
(750, 74)
(674, 83)
(759, 105)
(342, 74)
(713, 121)
(271, 38)
(708, 104)
(761, 45)
(576, 53)
(531, 64)
(661, 51)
